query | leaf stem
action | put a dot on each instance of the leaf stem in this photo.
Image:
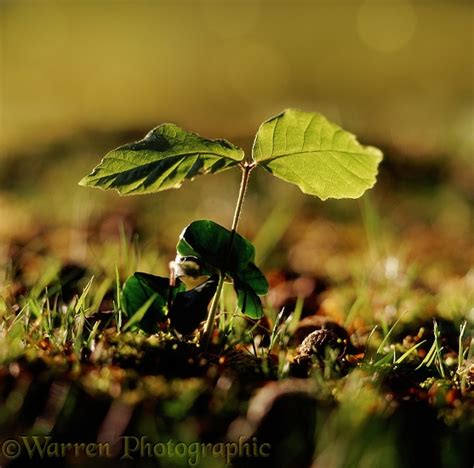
(244, 182)
(211, 318)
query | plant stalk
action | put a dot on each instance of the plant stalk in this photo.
(244, 182)
(211, 318)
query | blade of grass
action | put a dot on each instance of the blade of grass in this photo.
(428, 359)
(294, 318)
(118, 299)
(138, 315)
(408, 352)
(276, 330)
(355, 307)
(389, 357)
(462, 329)
(438, 349)
(366, 353)
(99, 295)
(78, 331)
(82, 298)
(387, 335)
(92, 334)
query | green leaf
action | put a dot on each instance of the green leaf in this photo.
(136, 320)
(321, 158)
(254, 278)
(138, 290)
(247, 300)
(164, 159)
(247, 284)
(210, 242)
(145, 300)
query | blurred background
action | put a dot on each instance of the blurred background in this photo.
(79, 78)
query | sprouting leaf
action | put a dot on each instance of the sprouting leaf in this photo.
(140, 288)
(321, 158)
(145, 299)
(164, 159)
(210, 242)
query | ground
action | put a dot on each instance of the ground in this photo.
(364, 356)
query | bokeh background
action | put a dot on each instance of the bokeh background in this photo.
(79, 78)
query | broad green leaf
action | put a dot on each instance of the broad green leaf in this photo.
(138, 290)
(145, 300)
(136, 320)
(321, 158)
(248, 284)
(210, 242)
(164, 159)
(247, 300)
(253, 277)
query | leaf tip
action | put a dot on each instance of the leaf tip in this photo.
(84, 182)
(376, 153)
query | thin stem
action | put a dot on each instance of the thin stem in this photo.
(209, 327)
(244, 182)
(211, 318)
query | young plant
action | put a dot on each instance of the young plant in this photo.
(302, 148)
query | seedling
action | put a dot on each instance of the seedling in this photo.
(302, 148)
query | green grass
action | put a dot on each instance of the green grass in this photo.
(69, 362)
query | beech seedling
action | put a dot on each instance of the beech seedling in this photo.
(302, 148)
